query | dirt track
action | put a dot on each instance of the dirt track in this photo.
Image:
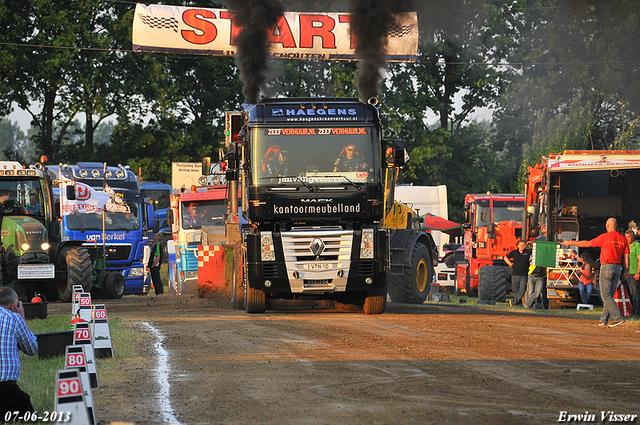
(433, 363)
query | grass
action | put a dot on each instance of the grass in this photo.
(586, 314)
(38, 377)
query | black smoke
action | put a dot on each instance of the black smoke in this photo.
(257, 17)
(370, 22)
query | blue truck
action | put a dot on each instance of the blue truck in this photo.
(124, 226)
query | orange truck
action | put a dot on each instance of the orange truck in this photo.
(569, 196)
(492, 227)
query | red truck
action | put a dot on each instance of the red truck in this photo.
(492, 227)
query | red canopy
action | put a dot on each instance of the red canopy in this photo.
(433, 222)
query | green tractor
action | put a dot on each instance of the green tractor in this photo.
(33, 256)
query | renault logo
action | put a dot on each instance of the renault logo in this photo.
(317, 247)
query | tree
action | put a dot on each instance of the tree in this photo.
(12, 138)
(575, 85)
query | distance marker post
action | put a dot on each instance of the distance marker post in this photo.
(70, 402)
(75, 301)
(75, 359)
(102, 346)
(82, 336)
(85, 306)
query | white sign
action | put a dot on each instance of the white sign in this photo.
(185, 174)
(36, 271)
(297, 35)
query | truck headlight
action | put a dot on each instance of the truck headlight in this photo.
(267, 252)
(25, 246)
(136, 272)
(45, 246)
(366, 244)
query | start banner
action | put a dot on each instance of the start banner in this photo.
(320, 36)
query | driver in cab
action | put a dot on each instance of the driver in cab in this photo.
(6, 200)
(349, 160)
(192, 218)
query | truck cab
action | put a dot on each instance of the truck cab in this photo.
(492, 228)
(123, 227)
(189, 213)
(313, 178)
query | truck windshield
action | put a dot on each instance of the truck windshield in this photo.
(113, 220)
(502, 211)
(315, 154)
(18, 197)
(196, 214)
(159, 197)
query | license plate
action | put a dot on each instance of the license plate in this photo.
(36, 271)
(317, 283)
(314, 266)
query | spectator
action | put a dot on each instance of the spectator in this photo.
(518, 260)
(14, 336)
(614, 249)
(634, 273)
(155, 260)
(538, 278)
(587, 277)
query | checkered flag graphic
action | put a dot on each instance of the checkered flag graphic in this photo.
(160, 22)
(399, 31)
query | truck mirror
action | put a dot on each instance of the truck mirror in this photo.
(150, 218)
(71, 192)
(170, 217)
(206, 165)
(398, 153)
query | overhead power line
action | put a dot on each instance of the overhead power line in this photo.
(203, 55)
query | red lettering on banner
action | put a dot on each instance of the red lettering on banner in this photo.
(195, 18)
(284, 35)
(308, 31)
(235, 29)
(345, 19)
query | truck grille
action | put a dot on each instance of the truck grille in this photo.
(114, 252)
(269, 270)
(337, 245)
(193, 239)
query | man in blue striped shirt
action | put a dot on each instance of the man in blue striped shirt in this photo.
(14, 336)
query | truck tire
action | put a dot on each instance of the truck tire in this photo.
(485, 283)
(77, 263)
(114, 285)
(376, 300)
(500, 282)
(255, 300)
(414, 285)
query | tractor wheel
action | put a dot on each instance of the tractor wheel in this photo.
(500, 281)
(77, 263)
(100, 282)
(485, 283)
(414, 285)
(114, 285)
(376, 300)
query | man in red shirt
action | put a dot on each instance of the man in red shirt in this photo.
(613, 250)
